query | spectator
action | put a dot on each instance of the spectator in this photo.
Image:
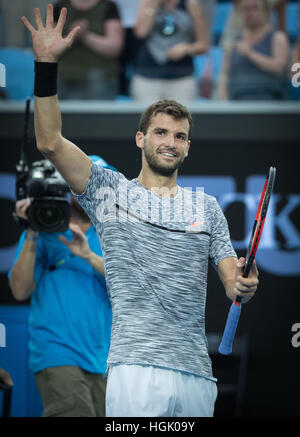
(70, 315)
(172, 31)
(234, 25)
(89, 70)
(255, 68)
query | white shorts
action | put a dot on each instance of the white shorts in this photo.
(144, 89)
(149, 391)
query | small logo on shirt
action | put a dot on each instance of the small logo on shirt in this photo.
(197, 223)
(195, 226)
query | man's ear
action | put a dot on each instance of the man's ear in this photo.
(139, 139)
(187, 148)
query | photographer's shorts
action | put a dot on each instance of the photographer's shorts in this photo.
(148, 391)
(69, 391)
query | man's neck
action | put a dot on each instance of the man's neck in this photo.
(164, 186)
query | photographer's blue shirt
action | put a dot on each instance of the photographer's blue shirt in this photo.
(70, 317)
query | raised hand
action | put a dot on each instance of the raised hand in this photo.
(48, 43)
(79, 245)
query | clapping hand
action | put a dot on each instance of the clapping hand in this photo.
(243, 47)
(178, 51)
(83, 25)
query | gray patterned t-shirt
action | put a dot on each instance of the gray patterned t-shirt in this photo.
(156, 252)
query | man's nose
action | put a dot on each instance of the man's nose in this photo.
(170, 140)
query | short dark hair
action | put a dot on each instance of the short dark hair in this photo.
(169, 107)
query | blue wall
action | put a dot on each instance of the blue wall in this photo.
(14, 356)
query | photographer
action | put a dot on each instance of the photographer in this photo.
(70, 317)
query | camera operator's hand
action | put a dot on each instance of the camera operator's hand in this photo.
(21, 208)
(21, 211)
(79, 246)
(5, 380)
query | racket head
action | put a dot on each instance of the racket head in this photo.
(259, 220)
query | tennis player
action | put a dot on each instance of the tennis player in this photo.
(157, 239)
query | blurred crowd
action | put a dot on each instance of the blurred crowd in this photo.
(145, 50)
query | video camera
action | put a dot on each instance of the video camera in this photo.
(49, 209)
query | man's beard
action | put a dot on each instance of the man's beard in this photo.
(160, 168)
(77, 212)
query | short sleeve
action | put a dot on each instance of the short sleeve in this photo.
(102, 184)
(220, 244)
(113, 12)
(40, 259)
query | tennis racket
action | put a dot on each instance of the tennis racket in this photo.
(225, 347)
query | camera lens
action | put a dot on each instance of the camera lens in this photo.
(48, 216)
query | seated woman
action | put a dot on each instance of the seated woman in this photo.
(234, 22)
(255, 66)
(171, 33)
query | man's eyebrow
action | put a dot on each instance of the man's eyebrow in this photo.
(160, 128)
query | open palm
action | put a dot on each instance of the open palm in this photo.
(79, 245)
(48, 43)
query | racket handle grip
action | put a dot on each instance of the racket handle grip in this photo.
(225, 347)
